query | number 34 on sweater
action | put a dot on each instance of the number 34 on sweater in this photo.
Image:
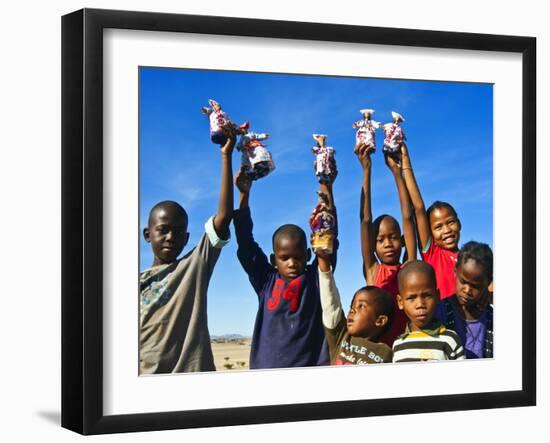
(291, 293)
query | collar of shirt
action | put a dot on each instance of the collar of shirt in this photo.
(435, 327)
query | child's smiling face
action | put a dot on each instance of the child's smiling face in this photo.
(167, 233)
(418, 298)
(445, 228)
(388, 241)
(471, 282)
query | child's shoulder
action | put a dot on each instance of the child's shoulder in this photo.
(448, 334)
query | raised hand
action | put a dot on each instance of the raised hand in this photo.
(363, 152)
(243, 182)
(227, 148)
(393, 164)
(323, 258)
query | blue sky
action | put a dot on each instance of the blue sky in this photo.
(449, 127)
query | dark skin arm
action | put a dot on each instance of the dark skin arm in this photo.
(407, 215)
(422, 221)
(244, 184)
(367, 247)
(225, 205)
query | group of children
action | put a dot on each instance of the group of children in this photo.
(437, 308)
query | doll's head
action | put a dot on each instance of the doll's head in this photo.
(397, 118)
(215, 105)
(367, 113)
(320, 139)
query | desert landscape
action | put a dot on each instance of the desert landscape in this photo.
(231, 352)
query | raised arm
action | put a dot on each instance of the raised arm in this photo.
(422, 222)
(407, 214)
(326, 188)
(225, 205)
(244, 184)
(330, 297)
(365, 214)
(250, 255)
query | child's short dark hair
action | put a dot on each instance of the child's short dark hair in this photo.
(290, 231)
(440, 205)
(384, 302)
(163, 205)
(479, 252)
(416, 266)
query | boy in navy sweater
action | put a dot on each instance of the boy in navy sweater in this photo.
(289, 329)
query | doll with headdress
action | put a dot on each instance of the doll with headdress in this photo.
(325, 164)
(323, 225)
(366, 129)
(394, 135)
(256, 159)
(220, 123)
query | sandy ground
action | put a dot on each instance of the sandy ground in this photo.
(237, 351)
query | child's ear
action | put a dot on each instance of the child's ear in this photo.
(272, 260)
(438, 295)
(308, 255)
(381, 321)
(146, 235)
(399, 302)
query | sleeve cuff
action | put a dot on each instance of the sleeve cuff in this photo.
(325, 276)
(215, 241)
(427, 248)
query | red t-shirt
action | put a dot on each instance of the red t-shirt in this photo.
(444, 262)
(386, 278)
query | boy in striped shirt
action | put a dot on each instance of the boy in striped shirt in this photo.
(425, 337)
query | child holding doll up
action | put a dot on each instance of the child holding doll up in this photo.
(381, 240)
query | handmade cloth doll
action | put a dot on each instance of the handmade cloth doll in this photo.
(323, 225)
(220, 123)
(325, 164)
(394, 135)
(256, 159)
(366, 129)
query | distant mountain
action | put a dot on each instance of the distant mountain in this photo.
(228, 337)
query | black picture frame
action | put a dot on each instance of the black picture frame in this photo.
(82, 218)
